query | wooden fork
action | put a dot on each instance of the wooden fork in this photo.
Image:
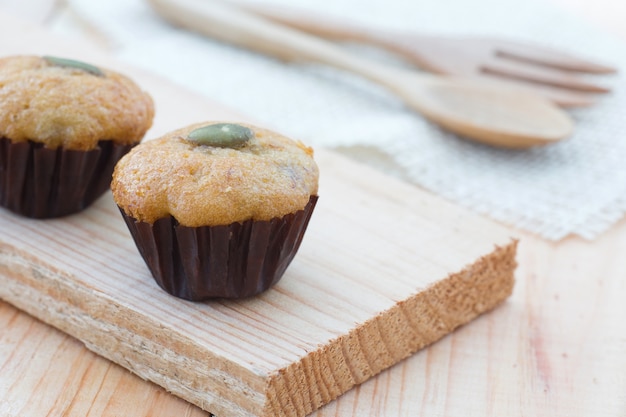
(485, 111)
(556, 75)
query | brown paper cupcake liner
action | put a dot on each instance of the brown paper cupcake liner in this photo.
(233, 261)
(39, 182)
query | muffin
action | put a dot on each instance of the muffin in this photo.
(64, 124)
(217, 209)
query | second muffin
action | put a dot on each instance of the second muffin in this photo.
(217, 209)
(63, 126)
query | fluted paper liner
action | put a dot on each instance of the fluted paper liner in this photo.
(232, 261)
(39, 182)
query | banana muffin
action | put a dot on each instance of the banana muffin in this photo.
(217, 209)
(63, 126)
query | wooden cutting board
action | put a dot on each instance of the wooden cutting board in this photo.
(384, 270)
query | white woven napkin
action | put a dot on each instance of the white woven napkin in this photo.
(574, 187)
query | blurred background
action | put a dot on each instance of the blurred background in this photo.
(573, 187)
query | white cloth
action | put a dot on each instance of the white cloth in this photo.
(574, 187)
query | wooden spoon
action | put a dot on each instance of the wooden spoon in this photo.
(488, 112)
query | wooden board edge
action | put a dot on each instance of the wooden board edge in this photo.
(393, 335)
(214, 384)
(297, 390)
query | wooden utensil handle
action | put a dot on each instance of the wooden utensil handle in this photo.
(229, 24)
(324, 25)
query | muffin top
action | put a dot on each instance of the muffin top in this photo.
(199, 184)
(61, 102)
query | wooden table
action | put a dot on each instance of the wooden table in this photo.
(556, 348)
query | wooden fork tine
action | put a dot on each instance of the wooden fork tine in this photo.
(541, 74)
(550, 57)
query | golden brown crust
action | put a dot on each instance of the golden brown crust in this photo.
(69, 107)
(198, 185)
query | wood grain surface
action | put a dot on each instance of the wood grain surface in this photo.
(556, 348)
(376, 279)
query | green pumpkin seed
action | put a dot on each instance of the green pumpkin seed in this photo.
(71, 63)
(223, 135)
